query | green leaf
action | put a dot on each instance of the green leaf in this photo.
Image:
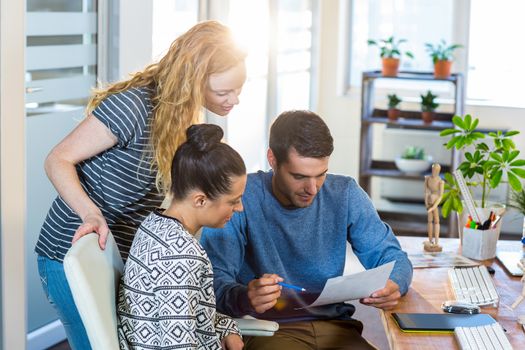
(513, 155)
(508, 144)
(467, 121)
(451, 143)
(447, 132)
(483, 147)
(460, 207)
(511, 133)
(478, 135)
(496, 178)
(445, 210)
(475, 124)
(496, 157)
(518, 171)
(489, 164)
(514, 182)
(519, 162)
(456, 202)
(458, 121)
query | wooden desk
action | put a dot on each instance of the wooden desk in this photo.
(430, 287)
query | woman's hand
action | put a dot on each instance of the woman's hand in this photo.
(232, 342)
(93, 222)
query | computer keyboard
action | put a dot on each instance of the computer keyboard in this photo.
(489, 337)
(473, 285)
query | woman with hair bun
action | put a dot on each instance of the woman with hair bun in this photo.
(113, 169)
(166, 297)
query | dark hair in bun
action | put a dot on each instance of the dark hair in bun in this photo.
(204, 162)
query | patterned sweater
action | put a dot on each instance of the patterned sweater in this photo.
(166, 298)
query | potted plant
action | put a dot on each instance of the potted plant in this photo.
(428, 106)
(393, 112)
(485, 165)
(390, 54)
(517, 201)
(442, 58)
(413, 160)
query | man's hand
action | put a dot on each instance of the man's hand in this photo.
(232, 342)
(263, 292)
(386, 298)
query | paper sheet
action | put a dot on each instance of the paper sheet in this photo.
(354, 286)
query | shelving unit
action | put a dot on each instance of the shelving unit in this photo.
(404, 221)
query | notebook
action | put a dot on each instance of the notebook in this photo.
(424, 322)
(509, 259)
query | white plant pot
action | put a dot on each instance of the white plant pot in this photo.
(413, 166)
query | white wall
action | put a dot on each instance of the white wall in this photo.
(135, 32)
(12, 175)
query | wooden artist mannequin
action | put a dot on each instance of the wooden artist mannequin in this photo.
(434, 188)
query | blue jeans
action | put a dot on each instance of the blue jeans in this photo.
(59, 295)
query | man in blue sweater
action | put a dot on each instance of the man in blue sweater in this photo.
(296, 222)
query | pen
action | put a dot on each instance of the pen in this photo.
(495, 221)
(291, 286)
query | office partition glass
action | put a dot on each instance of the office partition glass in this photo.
(61, 70)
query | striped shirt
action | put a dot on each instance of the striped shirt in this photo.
(119, 180)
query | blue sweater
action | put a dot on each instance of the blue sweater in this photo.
(305, 246)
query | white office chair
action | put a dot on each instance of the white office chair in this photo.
(93, 276)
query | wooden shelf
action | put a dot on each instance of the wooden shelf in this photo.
(408, 224)
(410, 120)
(383, 168)
(406, 75)
(404, 218)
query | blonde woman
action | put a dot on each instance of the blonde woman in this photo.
(113, 169)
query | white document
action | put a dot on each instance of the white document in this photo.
(355, 286)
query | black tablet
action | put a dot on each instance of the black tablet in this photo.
(423, 322)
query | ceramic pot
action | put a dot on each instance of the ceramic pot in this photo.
(413, 166)
(393, 114)
(390, 66)
(442, 69)
(427, 116)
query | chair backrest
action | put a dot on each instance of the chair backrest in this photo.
(93, 275)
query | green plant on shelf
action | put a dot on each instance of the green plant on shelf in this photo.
(393, 101)
(389, 48)
(441, 51)
(413, 152)
(517, 200)
(485, 165)
(428, 103)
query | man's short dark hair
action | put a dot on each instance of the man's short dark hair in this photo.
(305, 131)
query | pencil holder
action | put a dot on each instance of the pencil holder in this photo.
(479, 244)
(496, 208)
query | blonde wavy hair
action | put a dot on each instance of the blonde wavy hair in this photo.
(179, 80)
